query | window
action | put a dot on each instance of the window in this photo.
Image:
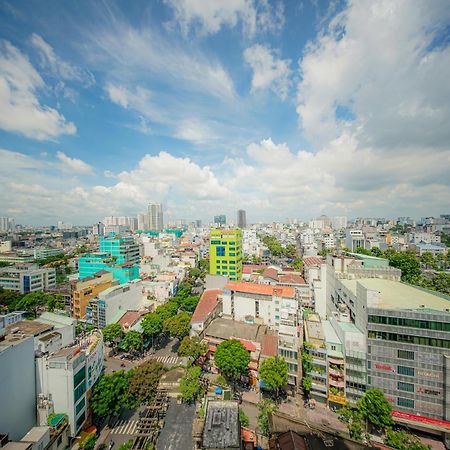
(79, 391)
(333, 347)
(405, 354)
(402, 386)
(79, 377)
(403, 370)
(80, 406)
(220, 250)
(405, 402)
(410, 323)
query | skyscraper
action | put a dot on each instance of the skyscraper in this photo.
(241, 219)
(220, 220)
(155, 216)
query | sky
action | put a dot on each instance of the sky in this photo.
(287, 109)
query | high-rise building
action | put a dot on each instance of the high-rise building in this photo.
(241, 219)
(225, 253)
(98, 229)
(155, 217)
(6, 224)
(122, 248)
(220, 220)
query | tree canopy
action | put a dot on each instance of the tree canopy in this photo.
(132, 341)
(178, 326)
(152, 324)
(112, 332)
(33, 301)
(192, 347)
(375, 408)
(190, 385)
(274, 372)
(143, 382)
(232, 358)
(402, 440)
(265, 407)
(110, 394)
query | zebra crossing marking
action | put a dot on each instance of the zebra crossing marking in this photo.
(125, 427)
(167, 359)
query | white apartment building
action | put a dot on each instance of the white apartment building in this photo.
(425, 238)
(339, 222)
(315, 269)
(111, 304)
(354, 239)
(25, 278)
(17, 385)
(67, 375)
(274, 306)
(329, 241)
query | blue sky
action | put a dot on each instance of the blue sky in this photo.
(286, 109)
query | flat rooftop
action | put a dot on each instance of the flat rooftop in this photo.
(30, 327)
(221, 425)
(397, 295)
(314, 329)
(329, 333)
(227, 328)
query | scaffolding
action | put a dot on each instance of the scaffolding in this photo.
(152, 421)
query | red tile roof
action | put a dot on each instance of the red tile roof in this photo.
(250, 268)
(130, 318)
(291, 279)
(312, 261)
(261, 289)
(206, 305)
(250, 346)
(269, 345)
(272, 273)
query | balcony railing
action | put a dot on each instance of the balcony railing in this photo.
(337, 398)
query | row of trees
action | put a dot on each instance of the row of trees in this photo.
(276, 249)
(413, 265)
(126, 389)
(32, 302)
(373, 414)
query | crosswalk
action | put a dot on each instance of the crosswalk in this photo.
(125, 427)
(168, 360)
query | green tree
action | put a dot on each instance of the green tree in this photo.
(9, 298)
(265, 407)
(363, 251)
(428, 261)
(56, 302)
(190, 385)
(33, 301)
(204, 265)
(375, 251)
(407, 262)
(243, 418)
(297, 264)
(112, 332)
(192, 347)
(374, 407)
(190, 303)
(152, 324)
(88, 443)
(167, 310)
(402, 440)
(194, 273)
(306, 383)
(441, 283)
(178, 326)
(143, 382)
(126, 445)
(232, 359)
(110, 394)
(355, 423)
(132, 341)
(274, 372)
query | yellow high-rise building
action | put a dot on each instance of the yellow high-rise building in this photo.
(225, 253)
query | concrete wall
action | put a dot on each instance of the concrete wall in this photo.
(17, 389)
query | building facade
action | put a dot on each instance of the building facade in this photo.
(241, 219)
(25, 278)
(155, 217)
(225, 253)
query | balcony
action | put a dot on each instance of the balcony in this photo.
(340, 398)
(335, 372)
(340, 384)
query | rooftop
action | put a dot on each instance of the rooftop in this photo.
(206, 305)
(312, 261)
(130, 318)
(329, 333)
(291, 279)
(269, 345)
(35, 434)
(397, 295)
(30, 327)
(227, 329)
(260, 289)
(221, 426)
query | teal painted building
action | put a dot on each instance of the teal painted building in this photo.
(119, 255)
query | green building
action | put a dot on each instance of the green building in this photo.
(225, 253)
(121, 249)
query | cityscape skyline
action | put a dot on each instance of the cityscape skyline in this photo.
(194, 109)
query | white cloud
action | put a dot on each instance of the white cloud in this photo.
(20, 109)
(117, 94)
(268, 71)
(379, 62)
(73, 165)
(58, 66)
(208, 17)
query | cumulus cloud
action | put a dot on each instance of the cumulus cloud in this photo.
(73, 165)
(379, 69)
(59, 66)
(208, 17)
(268, 71)
(20, 109)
